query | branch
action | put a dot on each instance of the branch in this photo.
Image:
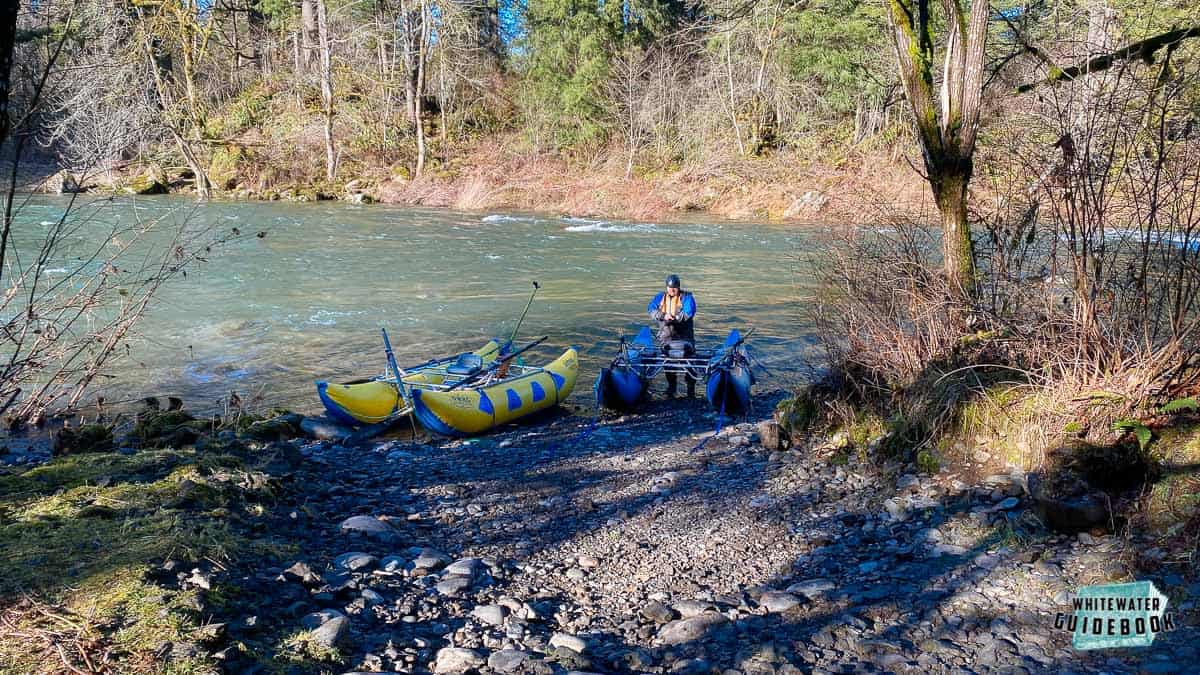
(1143, 50)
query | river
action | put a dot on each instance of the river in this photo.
(266, 316)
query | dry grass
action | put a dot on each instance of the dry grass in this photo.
(500, 173)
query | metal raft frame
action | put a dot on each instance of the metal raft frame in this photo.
(449, 381)
(648, 362)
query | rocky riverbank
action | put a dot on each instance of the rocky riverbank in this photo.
(873, 186)
(622, 546)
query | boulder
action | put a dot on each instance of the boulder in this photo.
(64, 183)
(566, 641)
(457, 660)
(507, 660)
(330, 633)
(776, 602)
(145, 184)
(692, 629)
(368, 525)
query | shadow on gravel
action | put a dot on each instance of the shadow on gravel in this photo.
(530, 489)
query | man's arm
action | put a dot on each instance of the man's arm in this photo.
(689, 306)
(653, 310)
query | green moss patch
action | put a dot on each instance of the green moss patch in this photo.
(82, 537)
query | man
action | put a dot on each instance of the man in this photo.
(674, 309)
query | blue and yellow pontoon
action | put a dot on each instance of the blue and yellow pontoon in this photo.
(378, 399)
(456, 396)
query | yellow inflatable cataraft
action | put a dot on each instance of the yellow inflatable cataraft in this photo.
(378, 399)
(476, 408)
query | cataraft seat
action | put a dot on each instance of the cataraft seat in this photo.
(466, 365)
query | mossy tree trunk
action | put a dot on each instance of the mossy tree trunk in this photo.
(947, 120)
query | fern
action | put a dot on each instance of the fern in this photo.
(1139, 430)
(1179, 404)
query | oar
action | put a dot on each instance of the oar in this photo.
(521, 320)
(400, 393)
(391, 358)
(496, 364)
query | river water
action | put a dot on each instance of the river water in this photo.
(266, 316)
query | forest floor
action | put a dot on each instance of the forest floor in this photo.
(636, 544)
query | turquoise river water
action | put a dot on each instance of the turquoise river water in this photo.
(266, 316)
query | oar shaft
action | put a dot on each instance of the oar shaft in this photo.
(521, 320)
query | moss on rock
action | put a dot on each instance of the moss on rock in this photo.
(85, 439)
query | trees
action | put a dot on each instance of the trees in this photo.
(326, 70)
(571, 47)
(946, 121)
(174, 36)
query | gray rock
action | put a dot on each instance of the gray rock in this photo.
(457, 660)
(466, 567)
(393, 564)
(692, 667)
(689, 608)
(773, 436)
(330, 633)
(355, 561)
(507, 660)
(1006, 504)
(303, 573)
(777, 601)
(896, 510)
(454, 587)
(371, 597)
(492, 615)
(576, 574)
(369, 525)
(657, 612)
(567, 641)
(691, 629)
(324, 431)
(812, 588)
(320, 617)
(200, 579)
(431, 559)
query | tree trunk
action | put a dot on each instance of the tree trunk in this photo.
(419, 90)
(8, 41)
(737, 130)
(947, 121)
(407, 37)
(949, 182)
(326, 89)
(309, 32)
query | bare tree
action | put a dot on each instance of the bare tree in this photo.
(175, 37)
(102, 110)
(326, 88)
(67, 312)
(947, 121)
(627, 88)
